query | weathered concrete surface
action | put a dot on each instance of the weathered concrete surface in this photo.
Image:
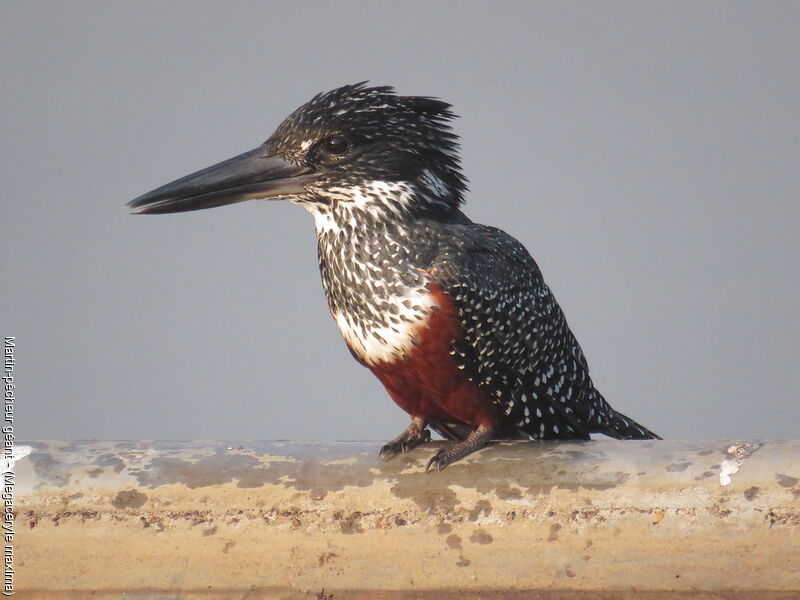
(601, 519)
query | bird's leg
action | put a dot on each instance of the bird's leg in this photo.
(415, 434)
(474, 441)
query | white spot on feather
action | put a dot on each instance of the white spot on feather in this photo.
(375, 343)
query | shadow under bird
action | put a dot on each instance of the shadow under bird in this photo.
(453, 317)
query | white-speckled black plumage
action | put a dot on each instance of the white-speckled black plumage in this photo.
(381, 176)
(518, 344)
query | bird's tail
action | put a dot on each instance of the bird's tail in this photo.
(624, 428)
(618, 426)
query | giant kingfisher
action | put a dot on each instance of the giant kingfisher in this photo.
(453, 317)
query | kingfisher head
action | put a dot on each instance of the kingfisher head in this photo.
(355, 148)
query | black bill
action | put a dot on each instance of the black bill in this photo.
(250, 176)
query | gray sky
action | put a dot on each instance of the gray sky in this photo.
(645, 153)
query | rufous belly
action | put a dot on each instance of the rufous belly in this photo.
(427, 383)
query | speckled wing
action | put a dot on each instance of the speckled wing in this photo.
(517, 344)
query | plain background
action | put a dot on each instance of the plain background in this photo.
(646, 154)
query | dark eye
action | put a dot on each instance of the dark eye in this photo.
(336, 144)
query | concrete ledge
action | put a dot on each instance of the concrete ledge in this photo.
(601, 519)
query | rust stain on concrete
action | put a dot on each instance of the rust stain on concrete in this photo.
(481, 536)
(129, 499)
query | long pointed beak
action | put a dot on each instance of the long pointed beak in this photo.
(253, 175)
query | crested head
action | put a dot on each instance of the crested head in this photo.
(363, 140)
(355, 148)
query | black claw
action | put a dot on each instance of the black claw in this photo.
(388, 451)
(474, 441)
(404, 444)
(438, 462)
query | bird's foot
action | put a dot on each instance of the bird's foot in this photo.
(415, 434)
(474, 441)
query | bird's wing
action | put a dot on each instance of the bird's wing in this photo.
(516, 344)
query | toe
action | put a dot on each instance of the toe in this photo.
(438, 462)
(388, 452)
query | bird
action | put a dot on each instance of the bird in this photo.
(453, 317)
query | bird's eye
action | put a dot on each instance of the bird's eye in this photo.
(336, 144)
